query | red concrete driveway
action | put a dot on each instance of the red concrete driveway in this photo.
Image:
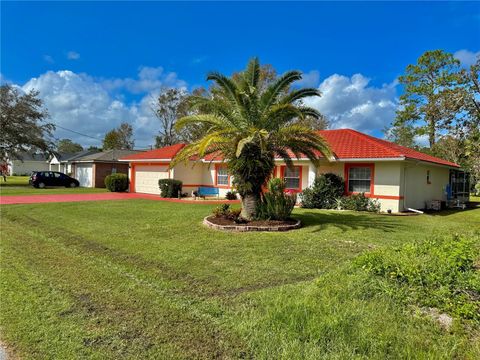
(34, 199)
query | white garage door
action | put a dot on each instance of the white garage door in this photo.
(146, 178)
(84, 175)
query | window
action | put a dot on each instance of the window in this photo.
(114, 170)
(222, 176)
(291, 176)
(359, 179)
(428, 177)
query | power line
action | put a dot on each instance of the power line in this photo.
(149, 147)
(76, 132)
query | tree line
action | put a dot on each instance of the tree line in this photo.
(440, 103)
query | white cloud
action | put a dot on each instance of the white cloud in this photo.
(73, 55)
(149, 79)
(352, 103)
(48, 59)
(309, 79)
(199, 60)
(81, 103)
(466, 57)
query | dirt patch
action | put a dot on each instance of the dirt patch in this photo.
(221, 223)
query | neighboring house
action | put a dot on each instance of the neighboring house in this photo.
(56, 163)
(28, 162)
(397, 176)
(63, 161)
(91, 169)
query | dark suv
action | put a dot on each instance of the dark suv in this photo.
(40, 179)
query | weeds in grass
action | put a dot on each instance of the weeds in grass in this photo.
(438, 272)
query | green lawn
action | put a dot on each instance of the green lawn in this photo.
(144, 279)
(18, 185)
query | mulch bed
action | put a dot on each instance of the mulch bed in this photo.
(221, 223)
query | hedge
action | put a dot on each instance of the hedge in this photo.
(170, 188)
(117, 182)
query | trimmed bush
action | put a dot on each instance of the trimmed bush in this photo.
(116, 182)
(275, 204)
(324, 192)
(170, 188)
(358, 202)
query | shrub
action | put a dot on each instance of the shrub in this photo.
(358, 202)
(477, 189)
(170, 188)
(275, 204)
(224, 211)
(438, 273)
(231, 195)
(116, 182)
(324, 192)
(221, 210)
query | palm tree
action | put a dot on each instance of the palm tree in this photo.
(248, 122)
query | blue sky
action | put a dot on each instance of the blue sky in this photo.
(98, 64)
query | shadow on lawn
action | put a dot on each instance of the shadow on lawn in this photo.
(345, 221)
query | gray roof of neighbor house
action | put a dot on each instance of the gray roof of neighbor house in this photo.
(31, 156)
(71, 157)
(109, 155)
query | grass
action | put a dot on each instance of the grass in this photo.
(18, 185)
(80, 280)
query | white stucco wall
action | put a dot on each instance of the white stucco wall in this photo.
(416, 190)
(331, 167)
(393, 180)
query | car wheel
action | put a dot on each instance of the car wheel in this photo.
(73, 185)
(41, 185)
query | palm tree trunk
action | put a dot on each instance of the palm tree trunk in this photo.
(249, 205)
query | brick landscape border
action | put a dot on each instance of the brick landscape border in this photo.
(245, 228)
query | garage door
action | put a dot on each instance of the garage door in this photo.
(84, 175)
(146, 178)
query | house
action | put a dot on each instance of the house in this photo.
(58, 162)
(92, 168)
(63, 161)
(397, 176)
(27, 162)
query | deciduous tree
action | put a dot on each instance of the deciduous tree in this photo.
(23, 123)
(68, 146)
(120, 138)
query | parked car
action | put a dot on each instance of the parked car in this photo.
(40, 179)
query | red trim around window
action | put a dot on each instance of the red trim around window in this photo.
(220, 166)
(282, 172)
(348, 166)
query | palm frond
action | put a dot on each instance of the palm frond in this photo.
(280, 85)
(225, 83)
(299, 94)
(212, 119)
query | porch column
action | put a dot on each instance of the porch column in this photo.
(312, 173)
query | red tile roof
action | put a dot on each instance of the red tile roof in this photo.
(351, 144)
(345, 144)
(165, 153)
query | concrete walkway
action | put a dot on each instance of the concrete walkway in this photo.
(56, 198)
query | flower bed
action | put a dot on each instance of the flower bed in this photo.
(220, 223)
